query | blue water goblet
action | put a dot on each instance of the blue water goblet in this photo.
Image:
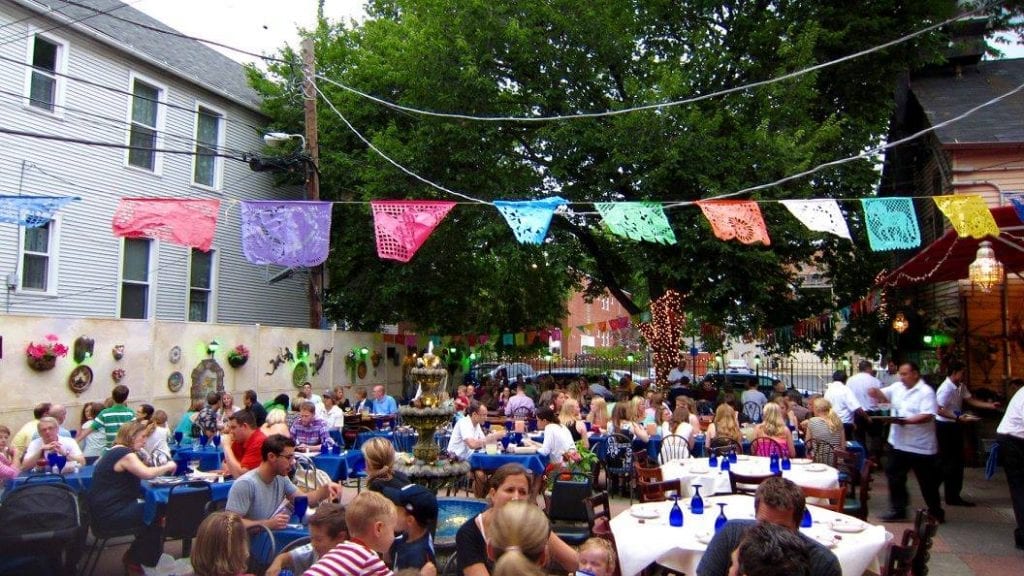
(509, 425)
(178, 436)
(733, 457)
(203, 439)
(216, 441)
(62, 461)
(301, 503)
(51, 459)
(725, 465)
(721, 520)
(713, 460)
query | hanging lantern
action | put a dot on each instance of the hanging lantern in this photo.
(900, 323)
(986, 272)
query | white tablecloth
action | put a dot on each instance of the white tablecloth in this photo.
(652, 540)
(696, 471)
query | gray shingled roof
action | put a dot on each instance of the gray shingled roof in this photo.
(946, 97)
(186, 58)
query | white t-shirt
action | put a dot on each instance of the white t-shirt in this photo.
(557, 441)
(1012, 423)
(34, 451)
(906, 403)
(675, 374)
(464, 429)
(157, 441)
(335, 417)
(951, 397)
(843, 401)
(859, 384)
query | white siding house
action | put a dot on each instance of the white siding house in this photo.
(82, 73)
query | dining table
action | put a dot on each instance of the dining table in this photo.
(209, 456)
(643, 535)
(155, 495)
(713, 480)
(533, 462)
(79, 481)
(340, 466)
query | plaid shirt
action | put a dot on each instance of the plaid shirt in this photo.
(313, 434)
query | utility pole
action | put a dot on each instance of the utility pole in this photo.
(309, 95)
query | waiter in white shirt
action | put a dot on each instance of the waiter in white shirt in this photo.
(1010, 435)
(950, 397)
(914, 446)
(868, 433)
(844, 403)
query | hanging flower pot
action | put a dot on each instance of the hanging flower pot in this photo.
(238, 356)
(43, 363)
(117, 375)
(43, 357)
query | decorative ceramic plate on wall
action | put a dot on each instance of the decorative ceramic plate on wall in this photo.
(175, 381)
(80, 379)
(175, 355)
(300, 374)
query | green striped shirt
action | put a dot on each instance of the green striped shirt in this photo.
(110, 421)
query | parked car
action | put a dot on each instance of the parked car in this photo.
(738, 381)
(492, 369)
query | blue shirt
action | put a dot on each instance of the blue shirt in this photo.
(385, 405)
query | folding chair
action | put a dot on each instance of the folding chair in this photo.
(186, 508)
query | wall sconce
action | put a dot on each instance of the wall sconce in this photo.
(212, 347)
(900, 323)
(302, 351)
(364, 351)
(986, 272)
(82, 349)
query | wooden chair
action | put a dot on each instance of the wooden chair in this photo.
(901, 556)
(926, 527)
(646, 475)
(743, 484)
(821, 452)
(659, 491)
(599, 515)
(860, 491)
(834, 498)
(766, 447)
(673, 447)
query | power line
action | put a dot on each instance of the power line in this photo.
(101, 144)
(655, 106)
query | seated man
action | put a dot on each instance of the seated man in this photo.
(49, 441)
(308, 431)
(770, 550)
(258, 495)
(60, 413)
(468, 435)
(520, 400)
(777, 501)
(24, 435)
(246, 443)
(382, 403)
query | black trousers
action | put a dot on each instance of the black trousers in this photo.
(1011, 455)
(951, 458)
(926, 470)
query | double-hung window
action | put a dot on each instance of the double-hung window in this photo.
(145, 119)
(39, 258)
(200, 286)
(44, 83)
(209, 135)
(135, 282)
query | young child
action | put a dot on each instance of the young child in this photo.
(221, 547)
(597, 557)
(416, 509)
(371, 529)
(8, 457)
(327, 529)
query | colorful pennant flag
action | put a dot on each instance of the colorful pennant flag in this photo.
(637, 221)
(402, 226)
(1018, 206)
(189, 223)
(286, 233)
(819, 216)
(735, 219)
(31, 211)
(969, 215)
(891, 223)
(530, 219)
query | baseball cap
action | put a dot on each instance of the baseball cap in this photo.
(417, 501)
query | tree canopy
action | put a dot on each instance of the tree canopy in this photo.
(560, 57)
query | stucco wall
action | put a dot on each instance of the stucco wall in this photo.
(147, 363)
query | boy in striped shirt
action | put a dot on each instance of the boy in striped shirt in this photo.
(110, 420)
(371, 527)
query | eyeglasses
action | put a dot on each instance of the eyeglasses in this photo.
(286, 456)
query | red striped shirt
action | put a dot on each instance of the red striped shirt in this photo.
(349, 559)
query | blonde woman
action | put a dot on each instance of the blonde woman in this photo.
(725, 429)
(518, 539)
(277, 423)
(825, 425)
(573, 422)
(598, 416)
(773, 426)
(379, 454)
(623, 424)
(222, 546)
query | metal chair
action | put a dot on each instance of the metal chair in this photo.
(568, 519)
(522, 413)
(186, 508)
(619, 462)
(262, 549)
(725, 449)
(673, 447)
(766, 447)
(925, 526)
(297, 543)
(752, 410)
(450, 567)
(821, 452)
(901, 556)
(834, 498)
(101, 536)
(743, 484)
(659, 491)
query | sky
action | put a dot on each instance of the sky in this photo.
(263, 26)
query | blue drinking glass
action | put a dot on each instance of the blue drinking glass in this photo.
(203, 439)
(178, 436)
(713, 460)
(216, 440)
(786, 464)
(696, 503)
(733, 457)
(675, 516)
(806, 521)
(725, 465)
(62, 461)
(51, 459)
(773, 464)
(509, 425)
(721, 520)
(301, 503)
(74, 434)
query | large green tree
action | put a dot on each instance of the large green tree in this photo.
(564, 57)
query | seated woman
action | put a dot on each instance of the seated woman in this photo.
(598, 416)
(276, 423)
(774, 427)
(518, 543)
(379, 455)
(680, 425)
(724, 430)
(825, 425)
(509, 483)
(622, 423)
(571, 419)
(114, 495)
(187, 425)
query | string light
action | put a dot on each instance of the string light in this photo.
(664, 333)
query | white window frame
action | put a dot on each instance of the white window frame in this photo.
(161, 121)
(211, 306)
(154, 253)
(53, 266)
(60, 83)
(218, 162)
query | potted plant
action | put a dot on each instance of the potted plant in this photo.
(44, 356)
(117, 375)
(238, 356)
(575, 464)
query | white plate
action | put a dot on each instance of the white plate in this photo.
(816, 468)
(526, 449)
(801, 461)
(699, 469)
(742, 457)
(705, 537)
(848, 526)
(640, 511)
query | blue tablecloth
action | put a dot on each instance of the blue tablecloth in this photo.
(364, 436)
(340, 467)
(210, 458)
(79, 482)
(282, 538)
(156, 496)
(533, 462)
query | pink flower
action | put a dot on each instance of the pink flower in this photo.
(52, 337)
(36, 350)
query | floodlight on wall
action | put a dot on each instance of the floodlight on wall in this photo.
(986, 272)
(272, 138)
